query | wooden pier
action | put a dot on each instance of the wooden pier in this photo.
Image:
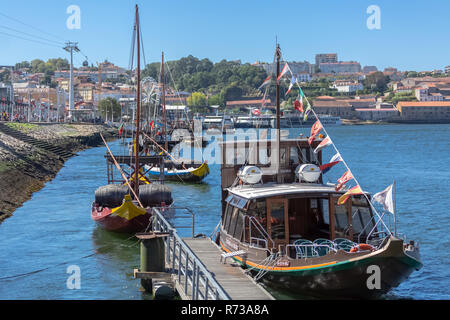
(231, 277)
(196, 269)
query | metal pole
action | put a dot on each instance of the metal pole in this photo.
(395, 209)
(138, 96)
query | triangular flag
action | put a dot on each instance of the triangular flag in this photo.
(337, 157)
(325, 142)
(293, 81)
(385, 198)
(355, 190)
(266, 82)
(326, 167)
(342, 180)
(334, 161)
(315, 129)
(298, 105)
(308, 110)
(283, 72)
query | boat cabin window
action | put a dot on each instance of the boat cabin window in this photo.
(362, 217)
(341, 224)
(293, 156)
(227, 217)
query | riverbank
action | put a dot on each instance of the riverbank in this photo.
(26, 167)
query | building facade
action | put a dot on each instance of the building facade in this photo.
(424, 111)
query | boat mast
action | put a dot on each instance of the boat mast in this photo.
(278, 55)
(164, 101)
(138, 105)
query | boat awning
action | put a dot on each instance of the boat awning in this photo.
(271, 190)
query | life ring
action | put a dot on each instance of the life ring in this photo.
(362, 247)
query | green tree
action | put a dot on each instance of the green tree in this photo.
(377, 82)
(197, 99)
(106, 105)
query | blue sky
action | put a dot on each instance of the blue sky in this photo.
(414, 35)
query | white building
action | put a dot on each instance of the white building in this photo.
(340, 67)
(347, 86)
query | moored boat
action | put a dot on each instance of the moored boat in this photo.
(294, 232)
(124, 204)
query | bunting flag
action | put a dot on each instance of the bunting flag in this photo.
(306, 114)
(265, 83)
(283, 72)
(121, 129)
(344, 179)
(151, 124)
(334, 161)
(293, 81)
(385, 198)
(298, 105)
(355, 190)
(325, 142)
(315, 129)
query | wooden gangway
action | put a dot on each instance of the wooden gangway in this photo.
(231, 277)
(196, 267)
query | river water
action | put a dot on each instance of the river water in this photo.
(53, 232)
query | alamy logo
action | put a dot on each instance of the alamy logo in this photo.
(374, 20)
(74, 20)
(74, 280)
(374, 280)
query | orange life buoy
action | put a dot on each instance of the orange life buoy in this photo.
(362, 247)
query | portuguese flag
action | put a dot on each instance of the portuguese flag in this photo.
(121, 129)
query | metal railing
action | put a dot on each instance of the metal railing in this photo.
(254, 225)
(192, 276)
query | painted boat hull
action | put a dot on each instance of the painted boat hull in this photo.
(195, 175)
(343, 275)
(107, 220)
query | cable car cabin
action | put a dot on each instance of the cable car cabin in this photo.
(281, 210)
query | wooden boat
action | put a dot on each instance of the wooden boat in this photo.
(174, 169)
(182, 172)
(292, 231)
(124, 205)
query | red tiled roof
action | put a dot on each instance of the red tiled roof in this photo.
(424, 103)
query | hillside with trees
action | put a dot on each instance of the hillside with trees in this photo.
(221, 81)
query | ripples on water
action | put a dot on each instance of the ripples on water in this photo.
(54, 229)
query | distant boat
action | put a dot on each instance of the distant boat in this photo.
(182, 172)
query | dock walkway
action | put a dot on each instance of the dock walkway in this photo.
(194, 263)
(230, 276)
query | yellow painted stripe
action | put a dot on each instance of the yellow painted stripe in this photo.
(279, 268)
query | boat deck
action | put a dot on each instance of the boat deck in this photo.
(231, 277)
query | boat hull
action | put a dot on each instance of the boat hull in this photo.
(196, 175)
(352, 281)
(340, 275)
(107, 220)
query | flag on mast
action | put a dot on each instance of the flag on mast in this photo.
(325, 142)
(293, 81)
(306, 114)
(334, 161)
(283, 72)
(385, 198)
(315, 129)
(266, 82)
(355, 190)
(344, 179)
